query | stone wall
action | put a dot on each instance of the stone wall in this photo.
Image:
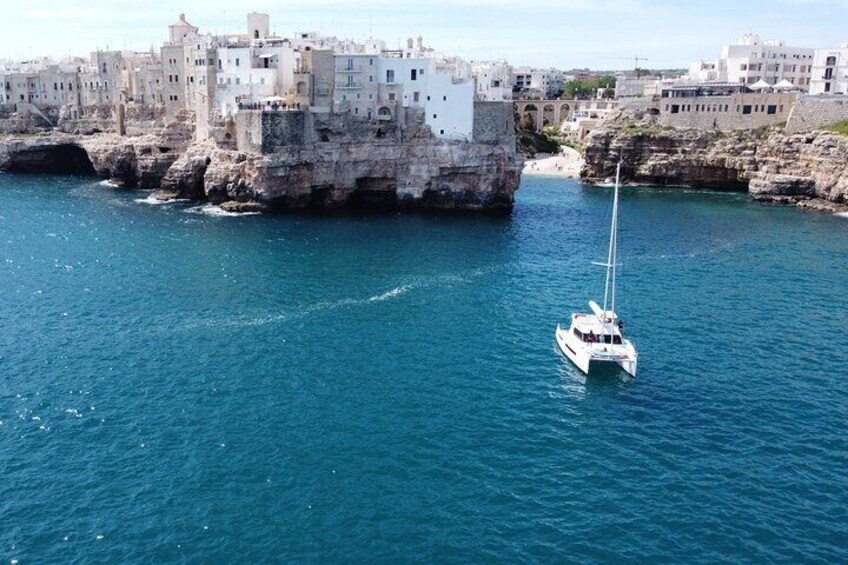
(284, 129)
(815, 112)
(268, 132)
(726, 113)
(493, 122)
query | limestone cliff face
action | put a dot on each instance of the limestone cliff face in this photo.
(335, 163)
(426, 174)
(809, 169)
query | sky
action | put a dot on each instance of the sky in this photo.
(599, 34)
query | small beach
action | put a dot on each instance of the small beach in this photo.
(566, 164)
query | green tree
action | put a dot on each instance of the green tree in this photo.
(580, 90)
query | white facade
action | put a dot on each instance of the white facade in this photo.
(493, 80)
(830, 71)
(751, 60)
(447, 103)
(541, 83)
(705, 70)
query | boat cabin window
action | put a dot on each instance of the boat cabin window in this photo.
(591, 337)
(611, 339)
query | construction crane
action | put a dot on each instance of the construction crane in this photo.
(635, 60)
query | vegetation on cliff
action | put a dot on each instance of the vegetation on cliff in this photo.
(839, 127)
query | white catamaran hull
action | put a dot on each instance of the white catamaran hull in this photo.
(585, 359)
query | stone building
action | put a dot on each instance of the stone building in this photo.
(723, 107)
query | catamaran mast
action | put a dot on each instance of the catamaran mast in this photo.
(609, 287)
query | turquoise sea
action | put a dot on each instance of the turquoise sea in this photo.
(186, 388)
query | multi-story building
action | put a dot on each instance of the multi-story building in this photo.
(356, 84)
(493, 80)
(528, 82)
(218, 76)
(751, 60)
(830, 71)
(448, 104)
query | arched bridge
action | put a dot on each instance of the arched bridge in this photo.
(544, 113)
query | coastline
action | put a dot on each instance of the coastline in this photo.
(567, 164)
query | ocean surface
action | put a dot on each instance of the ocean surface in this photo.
(178, 385)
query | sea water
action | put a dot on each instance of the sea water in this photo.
(181, 385)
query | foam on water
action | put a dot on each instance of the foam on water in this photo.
(842, 214)
(217, 212)
(150, 200)
(395, 292)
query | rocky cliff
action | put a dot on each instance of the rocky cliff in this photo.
(423, 174)
(383, 168)
(807, 169)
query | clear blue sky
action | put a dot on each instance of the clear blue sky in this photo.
(562, 33)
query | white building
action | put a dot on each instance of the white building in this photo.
(705, 70)
(448, 104)
(539, 83)
(493, 80)
(751, 60)
(830, 71)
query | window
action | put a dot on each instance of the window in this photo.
(237, 61)
(390, 76)
(370, 78)
(772, 109)
(831, 61)
(746, 109)
(391, 97)
(435, 116)
(421, 72)
(416, 97)
(413, 74)
(442, 132)
(675, 109)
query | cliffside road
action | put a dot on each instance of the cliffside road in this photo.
(567, 164)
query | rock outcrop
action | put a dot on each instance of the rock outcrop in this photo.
(809, 169)
(422, 174)
(394, 167)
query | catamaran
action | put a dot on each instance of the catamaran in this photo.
(597, 339)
